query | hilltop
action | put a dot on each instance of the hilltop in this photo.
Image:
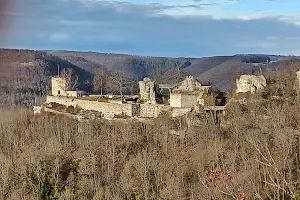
(25, 74)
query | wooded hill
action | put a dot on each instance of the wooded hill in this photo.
(218, 70)
(25, 74)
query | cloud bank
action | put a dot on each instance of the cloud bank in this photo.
(190, 29)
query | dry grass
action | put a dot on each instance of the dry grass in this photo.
(255, 157)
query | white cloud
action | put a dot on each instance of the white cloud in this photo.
(59, 37)
(292, 19)
(78, 22)
(243, 17)
(146, 28)
(213, 9)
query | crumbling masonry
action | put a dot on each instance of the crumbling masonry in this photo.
(147, 91)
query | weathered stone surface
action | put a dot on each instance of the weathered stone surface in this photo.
(298, 74)
(108, 109)
(250, 83)
(147, 91)
(58, 86)
(178, 112)
(190, 93)
(190, 84)
(184, 100)
(297, 83)
(151, 110)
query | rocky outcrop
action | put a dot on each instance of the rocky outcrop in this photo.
(297, 83)
(250, 83)
(298, 75)
(147, 91)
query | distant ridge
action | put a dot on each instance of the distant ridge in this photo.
(218, 70)
(25, 74)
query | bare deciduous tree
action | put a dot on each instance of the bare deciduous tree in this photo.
(175, 75)
(100, 79)
(120, 80)
(71, 79)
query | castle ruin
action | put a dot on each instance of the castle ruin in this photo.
(147, 91)
(184, 97)
(190, 93)
(59, 88)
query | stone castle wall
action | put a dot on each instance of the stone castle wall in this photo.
(108, 109)
(177, 112)
(150, 110)
(178, 100)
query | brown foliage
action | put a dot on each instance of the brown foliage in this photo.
(171, 76)
(256, 156)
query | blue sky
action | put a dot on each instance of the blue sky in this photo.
(189, 28)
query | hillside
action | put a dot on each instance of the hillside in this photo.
(253, 154)
(138, 66)
(218, 70)
(224, 74)
(25, 74)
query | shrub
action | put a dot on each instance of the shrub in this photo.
(256, 156)
(73, 110)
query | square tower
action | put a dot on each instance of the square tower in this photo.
(58, 86)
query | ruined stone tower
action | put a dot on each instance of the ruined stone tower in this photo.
(147, 91)
(58, 86)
